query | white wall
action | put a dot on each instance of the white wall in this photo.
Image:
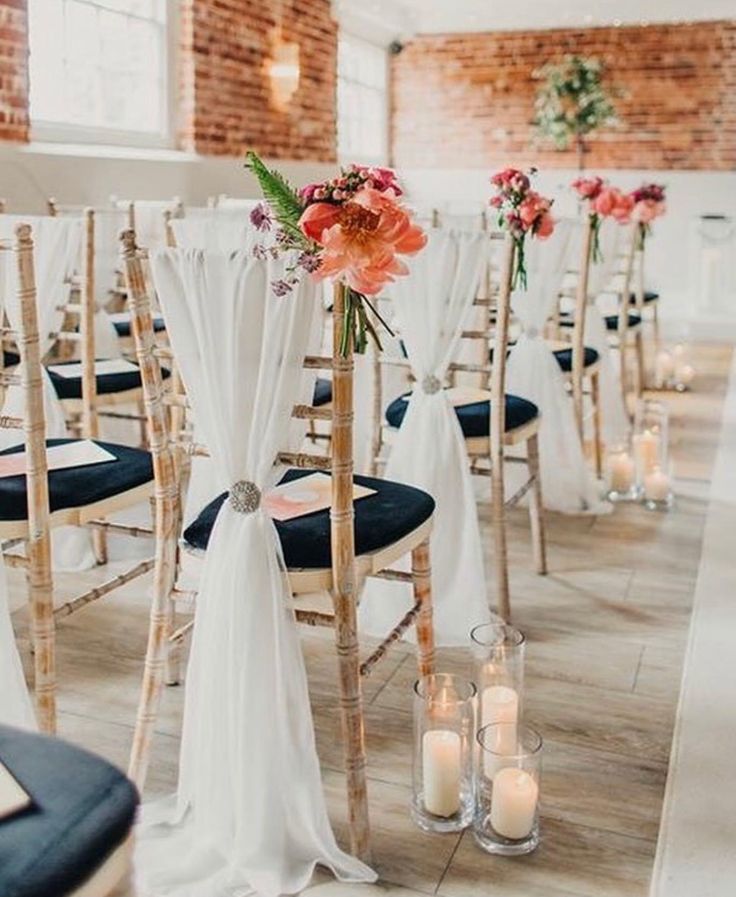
(672, 255)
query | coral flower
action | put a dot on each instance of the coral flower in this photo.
(646, 210)
(362, 239)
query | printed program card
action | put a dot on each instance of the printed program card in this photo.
(58, 457)
(13, 798)
(306, 495)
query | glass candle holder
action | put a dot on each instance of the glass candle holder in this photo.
(506, 819)
(498, 671)
(683, 372)
(444, 734)
(657, 492)
(621, 479)
(650, 439)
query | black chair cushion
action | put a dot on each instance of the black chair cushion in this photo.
(10, 359)
(475, 419)
(83, 810)
(381, 519)
(75, 487)
(612, 321)
(123, 328)
(107, 384)
(322, 392)
(564, 358)
(649, 296)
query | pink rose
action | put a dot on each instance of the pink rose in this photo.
(588, 188)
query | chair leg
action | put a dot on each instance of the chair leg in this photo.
(498, 500)
(421, 572)
(536, 510)
(43, 630)
(99, 545)
(172, 674)
(353, 726)
(639, 361)
(164, 574)
(595, 398)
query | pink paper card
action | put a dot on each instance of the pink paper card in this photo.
(305, 496)
(58, 457)
(13, 797)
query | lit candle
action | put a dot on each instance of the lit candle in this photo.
(646, 450)
(441, 771)
(620, 471)
(657, 485)
(513, 803)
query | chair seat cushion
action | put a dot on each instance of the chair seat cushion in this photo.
(612, 321)
(475, 419)
(107, 384)
(381, 519)
(122, 328)
(649, 296)
(83, 810)
(322, 392)
(564, 358)
(10, 359)
(75, 487)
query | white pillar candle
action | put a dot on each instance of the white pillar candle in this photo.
(621, 471)
(513, 803)
(646, 450)
(656, 485)
(664, 367)
(441, 771)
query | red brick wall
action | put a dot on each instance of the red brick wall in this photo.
(466, 101)
(225, 99)
(13, 70)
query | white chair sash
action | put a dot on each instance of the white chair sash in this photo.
(249, 814)
(534, 374)
(429, 451)
(225, 229)
(56, 247)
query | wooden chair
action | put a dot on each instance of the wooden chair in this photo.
(626, 328)
(646, 302)
(342, 574)
(31, 505)
(508, 422)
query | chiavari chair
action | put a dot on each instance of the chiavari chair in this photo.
(625, 326)
(491, 428)
(646, 302)
(32, 505)
(330, 551)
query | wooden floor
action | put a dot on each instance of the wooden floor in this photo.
(606, 633)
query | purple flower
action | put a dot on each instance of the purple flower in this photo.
(261, 217)
(260, 252)
(281, 288)
(309, 261)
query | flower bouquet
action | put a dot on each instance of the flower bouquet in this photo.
(604, 201)
(648, 203)
(521, 211)
(351, 229)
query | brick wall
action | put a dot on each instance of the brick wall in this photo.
(466, 101)
(225, 99)
(13, 70)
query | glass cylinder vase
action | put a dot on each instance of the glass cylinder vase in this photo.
(621, 479)
(508, 777)
(650, 438)
(498, 672)
(444, 736)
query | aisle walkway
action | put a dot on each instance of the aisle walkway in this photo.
(607, 631)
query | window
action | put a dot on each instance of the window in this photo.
(362, 101)
(99, 70)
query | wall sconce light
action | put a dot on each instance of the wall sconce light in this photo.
(283, 72)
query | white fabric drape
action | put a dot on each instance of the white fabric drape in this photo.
(16, 708)
(429, 450)
(216, 229)
(249, 814)
(615, 421)
(56, 247)
(534, 374)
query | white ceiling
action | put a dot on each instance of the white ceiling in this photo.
(427, 16)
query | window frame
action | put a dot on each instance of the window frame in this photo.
(384, 157)
(43, 131)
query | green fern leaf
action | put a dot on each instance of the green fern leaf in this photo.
(279, 194)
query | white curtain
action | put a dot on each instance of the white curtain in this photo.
(615, 421)
(16, 708)
(56, 246)
(429, 451)
(534, 374)
(249, 814)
